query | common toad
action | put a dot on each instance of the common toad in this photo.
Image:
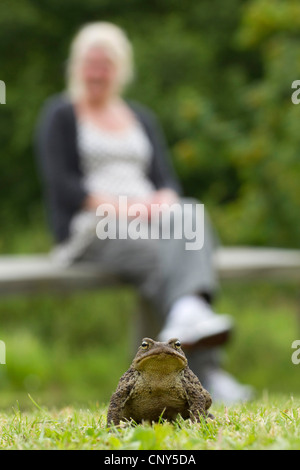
(159, 383)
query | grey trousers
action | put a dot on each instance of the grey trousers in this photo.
(162, 270)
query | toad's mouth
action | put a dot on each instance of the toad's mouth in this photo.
(162, 359)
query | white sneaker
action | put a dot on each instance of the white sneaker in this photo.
(192, 321)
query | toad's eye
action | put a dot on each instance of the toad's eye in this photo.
(144, 345)
(177, 344)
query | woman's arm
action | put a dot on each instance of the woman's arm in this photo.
(58, 159)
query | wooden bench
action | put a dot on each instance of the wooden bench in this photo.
(32, 274)
(21, 274)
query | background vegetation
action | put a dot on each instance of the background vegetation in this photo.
(218, 74)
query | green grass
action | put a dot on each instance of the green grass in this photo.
(268, 423)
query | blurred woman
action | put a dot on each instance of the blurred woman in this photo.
(93, 147)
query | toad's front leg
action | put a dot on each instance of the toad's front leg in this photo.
(199, 400)
(120, 397)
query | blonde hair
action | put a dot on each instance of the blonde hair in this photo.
(113, 40)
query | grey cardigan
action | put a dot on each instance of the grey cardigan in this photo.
(59, 161)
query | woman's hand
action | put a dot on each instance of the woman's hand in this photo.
(162, 196)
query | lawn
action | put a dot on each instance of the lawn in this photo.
(268, 423)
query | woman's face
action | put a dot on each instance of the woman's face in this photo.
(99, 74)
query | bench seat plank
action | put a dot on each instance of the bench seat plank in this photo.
(260, 263)
(40, 273)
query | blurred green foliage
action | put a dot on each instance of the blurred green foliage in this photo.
(218, 74)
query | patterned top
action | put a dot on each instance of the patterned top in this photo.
(113, 163)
